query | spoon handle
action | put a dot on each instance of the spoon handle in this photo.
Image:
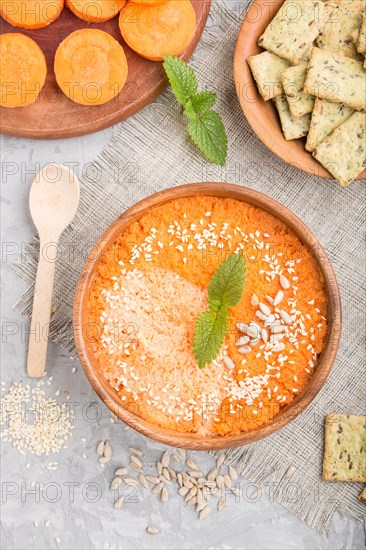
(41, 313)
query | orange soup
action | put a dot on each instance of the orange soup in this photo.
(150, 289)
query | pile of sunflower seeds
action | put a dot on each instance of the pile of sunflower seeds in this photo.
(174, 469)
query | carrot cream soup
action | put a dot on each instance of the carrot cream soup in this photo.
(150, 289)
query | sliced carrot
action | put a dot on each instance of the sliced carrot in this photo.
(95, 11)
(150, 2)
(155, 31)
(90, 67)
(30, 14)
(23, 70)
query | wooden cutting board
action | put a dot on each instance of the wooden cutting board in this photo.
(53, 115)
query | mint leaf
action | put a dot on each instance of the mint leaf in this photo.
(203, 101)
(181, 78)
(189, 110)
(209, 335)
(227, 283)
(208, 133)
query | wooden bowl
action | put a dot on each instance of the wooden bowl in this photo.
(262, 115)
(187, 440)
(55, 116)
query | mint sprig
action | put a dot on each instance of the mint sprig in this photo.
(205, 126)
(224, 290)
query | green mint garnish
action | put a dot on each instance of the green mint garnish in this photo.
(205, 126)
(224, 290)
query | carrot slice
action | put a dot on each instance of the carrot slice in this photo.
(30, 14)
(90, 67)
(150, 2)
(23, 70)
(154, 31)
(95, 11)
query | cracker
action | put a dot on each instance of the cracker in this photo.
(294, 28)
(336, 78)
(293, 79)
(293, 128)
(345, 448)
(343, 153)
(266, 69)
(362, 495)
(361, 41)
(326, 117)
(336, 34)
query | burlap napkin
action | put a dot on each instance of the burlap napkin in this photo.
(151, 151)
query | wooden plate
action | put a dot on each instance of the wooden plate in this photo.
(53, 115)
(189, 440)
(262, 115)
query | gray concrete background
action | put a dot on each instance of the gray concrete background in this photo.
(81, 515)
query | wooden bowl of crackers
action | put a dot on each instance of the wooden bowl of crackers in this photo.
(300, 75)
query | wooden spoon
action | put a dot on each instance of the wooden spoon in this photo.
(53, 201)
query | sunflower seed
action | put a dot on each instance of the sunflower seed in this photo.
(130, 481)
(228, 362)
(116, 482)
(261, 315)
(134, 466)
(176, 458)
(219, 480)
(232, 473)
(153, 479)
(193, 480)
(180, 479)
(254, 300)
(100, 448)
(118, 504)
(245, 350)
(107, 450)
(227, 481)
(172, 473)
(182, 452)
(191, 464)
(211, 476)
(165, 459)
(152, 530)
(242, 341)
(264, 335)
(200, 506)
(195, 473)
(192, 493)
(185, 476)
(142, 479)
(159, 467)
(199, 496)
(252, 332)
(277, 329)
(277, 337)
(136, 461)
(286, 317)
(235, 491)
(104, 459)
(278, 298)
(204, 513)
(221, 504)
(284, 282)
(183, 491)
(264, 309)
(278, 347)
(136, 451)
(220, 460)
(242, 327)
(269, 300)
(188, 484)
(121, 472)
(166, 474)
(290, 472)
(157, 488)
(192, 501)
(164, 480)
(164, 495)
(270, 320)
(201, 481)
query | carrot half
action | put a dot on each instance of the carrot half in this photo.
(90, 67)
(31, 14)
(95, 11)
(23, 70)
(155, 31)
